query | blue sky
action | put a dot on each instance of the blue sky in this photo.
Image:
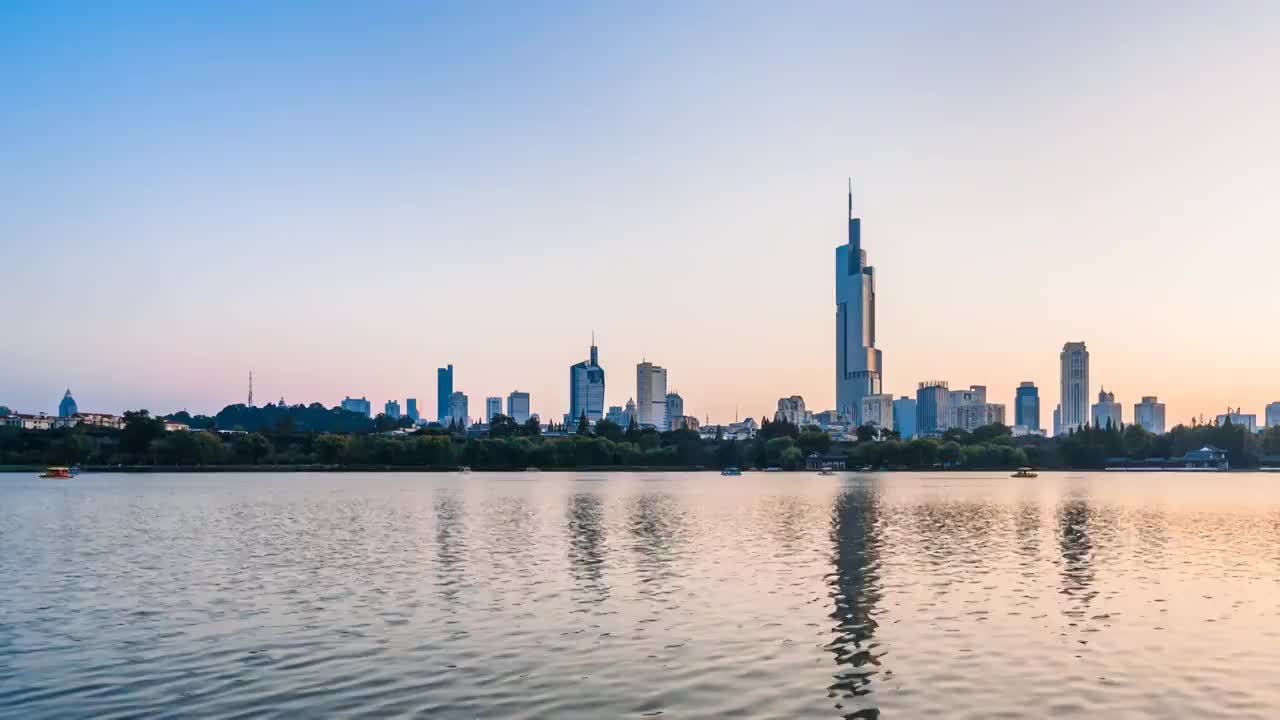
(344, 196)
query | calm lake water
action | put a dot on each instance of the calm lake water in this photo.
(601, 595)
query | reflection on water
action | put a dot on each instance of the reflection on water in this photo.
(587, 549)
(1077, 570)
(855, 588)
(544, 596)
(451, 546)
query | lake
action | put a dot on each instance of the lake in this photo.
(602, 595)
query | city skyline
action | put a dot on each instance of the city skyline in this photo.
(234, 216)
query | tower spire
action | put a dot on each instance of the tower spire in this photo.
(850, 197)
(250, 388)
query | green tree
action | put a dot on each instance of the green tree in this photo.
(253, 447)
(609, 430)
(532, 427)
(774, 448)
(792, 458)
(139, 432)
(813, 440)
(328, 448)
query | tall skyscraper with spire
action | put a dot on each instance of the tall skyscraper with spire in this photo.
(586, 388)
(859, 370)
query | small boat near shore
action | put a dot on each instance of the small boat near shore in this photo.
(58, 472)
(731, 471)
(1025, 472)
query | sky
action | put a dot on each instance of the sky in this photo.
(342, 197)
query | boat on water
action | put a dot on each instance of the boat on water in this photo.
(731, 471)
(1025, 472)
(826, 470)
(58, 472)
(464, 468)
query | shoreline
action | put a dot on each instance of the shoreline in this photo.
(316, 468)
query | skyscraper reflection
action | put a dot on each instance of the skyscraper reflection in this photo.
(587, 546)
(1076, 545)
(451, 546)
(855, 589)
(657, 527)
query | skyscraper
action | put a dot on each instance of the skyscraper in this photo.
(411, 409)
(791, 410)
(878, 410)
(1149, 415)
(904, 417)
(1271, 414)
(392, 409)
(858, 362)
(1075, 385)
(1106, 411)
(1026, 407)
(492, 406)
(67, 407)
(675, 411)
(586, 388)
(444, 389)
(651, 395)
(518, 406)
(933, 407)
(457, 414)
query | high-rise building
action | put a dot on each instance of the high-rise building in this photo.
(492, 406)
(1106, 411)
(1075, 385)
(969, 410)
(1248, 421)
(457, 414)
(1026, 407)
(67, 407)
(791, 409)
(933, 407)
(357, 405)
(615, 416)
(444, 391)
(1272, 414)
(651, 395)
(1149, 415)
(675, 411)
(411, 409)
(630, 413)
(586, 388)
(392, 409)
(877, 410)
(518, 406)
(904, 417)
(859, 371)
(1057, 420)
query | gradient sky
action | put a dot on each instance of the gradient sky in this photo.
(344, 196)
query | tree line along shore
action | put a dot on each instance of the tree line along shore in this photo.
(316, 438)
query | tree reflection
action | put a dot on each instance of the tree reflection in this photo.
(855, 588)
